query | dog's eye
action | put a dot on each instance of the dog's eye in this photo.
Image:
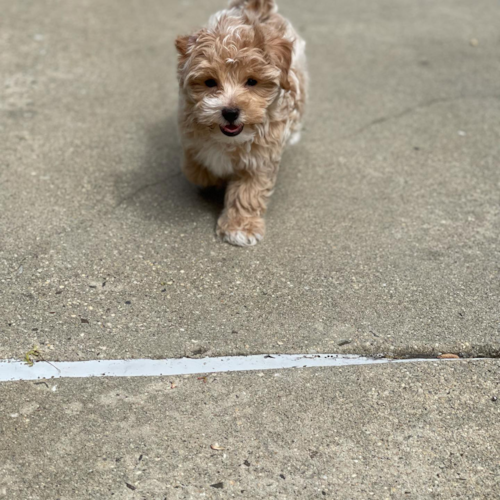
(251, 82)
(210, 82)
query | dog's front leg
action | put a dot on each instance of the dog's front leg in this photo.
(241, 222)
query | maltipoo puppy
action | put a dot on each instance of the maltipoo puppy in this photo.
(242, 93)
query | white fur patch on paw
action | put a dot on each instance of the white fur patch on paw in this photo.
(294, 138)
(242, 239)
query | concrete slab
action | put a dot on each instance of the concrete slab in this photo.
(430, 430)
(384, 229)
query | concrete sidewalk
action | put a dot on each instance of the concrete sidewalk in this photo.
(384, 229)
(383, 238)
(420, 431)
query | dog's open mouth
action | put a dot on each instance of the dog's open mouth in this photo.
(231, 130)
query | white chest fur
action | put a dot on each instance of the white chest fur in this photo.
(214, 157)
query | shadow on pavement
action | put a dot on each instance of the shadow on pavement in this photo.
(157, 189)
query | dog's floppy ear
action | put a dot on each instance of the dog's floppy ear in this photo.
(280, 50)
(255, 9)
(183, 42)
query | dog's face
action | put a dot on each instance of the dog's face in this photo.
(231, 73)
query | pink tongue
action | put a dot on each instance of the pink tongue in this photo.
(232, 128)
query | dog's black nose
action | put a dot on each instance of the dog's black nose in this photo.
(231, 114)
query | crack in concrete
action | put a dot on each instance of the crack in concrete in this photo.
(407, 111)
(140, 189)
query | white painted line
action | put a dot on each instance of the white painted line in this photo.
(18, 370)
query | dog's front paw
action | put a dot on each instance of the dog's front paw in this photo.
(241, 238)
(243, 232)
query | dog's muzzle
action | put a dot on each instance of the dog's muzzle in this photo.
(231, 130)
